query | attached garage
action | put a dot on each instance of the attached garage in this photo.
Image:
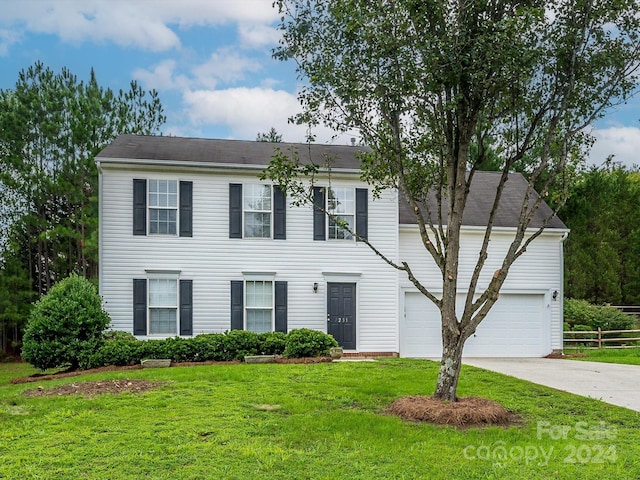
(518, 325)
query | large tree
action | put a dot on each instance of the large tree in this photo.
(602, 256)
(51, 127)
(433, 85)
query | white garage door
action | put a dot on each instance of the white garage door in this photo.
(517, 326)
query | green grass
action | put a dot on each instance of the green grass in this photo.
(630, 356)
(317, 421)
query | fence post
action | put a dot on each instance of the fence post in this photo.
(599, 337)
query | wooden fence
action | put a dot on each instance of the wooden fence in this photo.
(598, 338)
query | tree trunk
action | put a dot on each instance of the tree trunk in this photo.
(450, 365)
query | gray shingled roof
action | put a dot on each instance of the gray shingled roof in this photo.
(226, 152)
(481, 196)
(178, 150)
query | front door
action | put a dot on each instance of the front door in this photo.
(341, 313)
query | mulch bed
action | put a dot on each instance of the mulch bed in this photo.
(566, 355)
(90, 389)
(466, 412)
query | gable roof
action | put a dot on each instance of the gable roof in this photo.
(205, 151)
(149, 149)
(480, 201)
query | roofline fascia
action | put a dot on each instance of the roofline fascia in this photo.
(104, 161)
(475, 228)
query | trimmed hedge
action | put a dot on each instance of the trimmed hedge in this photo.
(580, 313)
(122, 348)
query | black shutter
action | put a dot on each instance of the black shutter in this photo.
(319, 223)
(281, 307)
(139, 207)
(237, 305)
(235, 210)
(139, 306)
(186, 307)
(362, 196)
(186, 209)
(279, 214)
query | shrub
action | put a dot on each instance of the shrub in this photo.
(239, 343)
(581, 312)
(305, 342)
(208, 346)
(65, 327)
(272, 343)
(117, 351)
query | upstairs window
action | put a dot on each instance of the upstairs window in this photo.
(350, 205)
(163, 207)
(341, 203)
(257, 211)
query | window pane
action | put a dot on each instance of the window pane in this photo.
(257, 225)
(163, 321)
(335, 232)
(341, 200)
(163, 193)
(259, 294)
(257, 197)
(162, 221)
(163, 292)
(259, 321)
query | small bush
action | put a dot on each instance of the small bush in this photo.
(207, 347)
(117, 351)
(239, 343)
(65, 327)
(272, 343)
(581, 312)
(305, 342)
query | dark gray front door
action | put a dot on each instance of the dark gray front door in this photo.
(341, 313)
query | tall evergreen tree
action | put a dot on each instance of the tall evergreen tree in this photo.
(51, 127)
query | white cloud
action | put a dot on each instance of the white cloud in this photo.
(225, 66)
(621, 142)
(247, 111)
(258, 35)
(162, 76)
(141, 23)
(7, 38)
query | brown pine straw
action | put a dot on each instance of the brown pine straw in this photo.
(466, 412)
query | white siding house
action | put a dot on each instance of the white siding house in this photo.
(191, 241)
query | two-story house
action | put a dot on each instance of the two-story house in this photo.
(191, 241)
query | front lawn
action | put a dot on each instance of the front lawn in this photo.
(315, 421)
(630, 356)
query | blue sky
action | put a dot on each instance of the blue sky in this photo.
(210, 61)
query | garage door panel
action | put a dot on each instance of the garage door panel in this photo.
(515, 326)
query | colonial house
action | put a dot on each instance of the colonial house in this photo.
(192, 241)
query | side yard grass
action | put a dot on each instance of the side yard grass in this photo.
(314, 421)
(630, 356)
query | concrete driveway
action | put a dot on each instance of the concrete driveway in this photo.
(612, 383)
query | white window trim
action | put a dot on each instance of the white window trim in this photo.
(245, 211)
(259, 277)
(352, 214)
(176, 208)
(163, 275)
